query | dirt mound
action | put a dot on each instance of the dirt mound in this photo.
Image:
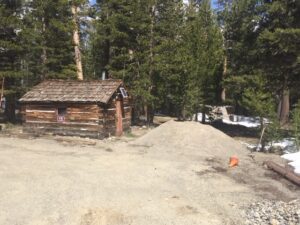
(185, 136)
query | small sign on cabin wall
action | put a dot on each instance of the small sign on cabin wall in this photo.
(60, 118)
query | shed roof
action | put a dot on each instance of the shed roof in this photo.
(72, 91)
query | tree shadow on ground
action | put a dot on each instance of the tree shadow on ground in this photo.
(236, 130)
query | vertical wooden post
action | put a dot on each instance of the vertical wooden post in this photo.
(119, 118)
(223, 94)
(2, 92)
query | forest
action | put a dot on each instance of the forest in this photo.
(175, 57)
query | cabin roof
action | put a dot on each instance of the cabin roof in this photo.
(99, 91)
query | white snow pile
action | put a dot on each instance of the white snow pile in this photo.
(199, 117)
(288, 145)
(294, 159)
(245, 121)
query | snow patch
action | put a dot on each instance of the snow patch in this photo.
(294, 159)
(251, 122)
(288, 145)
(199, 117)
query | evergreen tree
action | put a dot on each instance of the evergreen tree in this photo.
(240, 22)
(279, 44)
(204, 45)
(10, 52)
(138, 41)
(47, 37)
(170, 82)
(258, 100)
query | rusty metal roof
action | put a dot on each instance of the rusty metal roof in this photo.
(72, 91)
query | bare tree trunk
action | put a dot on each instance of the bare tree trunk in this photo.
(2, 90)
(223, 94)
(279, 107)
(203, 116)
(151, 55)
(44, 54)
(76, 40)
(261, 140)
(285, 103)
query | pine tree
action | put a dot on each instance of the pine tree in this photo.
(258, 100)
(204, 45)
(117, 49)
(127, 34)
(10, 52)
(170, 82)
(279, 44)
(240, 23)
(47, 36)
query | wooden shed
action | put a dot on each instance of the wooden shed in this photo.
(94, 109)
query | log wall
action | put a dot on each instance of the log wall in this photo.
(86, 120)
(110, 116)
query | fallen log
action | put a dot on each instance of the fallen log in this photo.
(290, 175)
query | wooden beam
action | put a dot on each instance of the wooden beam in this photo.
(290, 175)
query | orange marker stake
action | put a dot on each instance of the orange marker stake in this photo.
(234, 161)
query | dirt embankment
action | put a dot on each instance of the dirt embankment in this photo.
(175, 174)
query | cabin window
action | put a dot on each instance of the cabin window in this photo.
(61, 113)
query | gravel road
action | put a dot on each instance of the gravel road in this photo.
(176, 174)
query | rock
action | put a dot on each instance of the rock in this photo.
(274, 222)
(273, 213)
(276, 150)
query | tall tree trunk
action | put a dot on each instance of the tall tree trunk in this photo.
(76, 40)
(285, 103)
(223, 94)
(10, 107)
(151, 61)
(44, 53)
(203, 115)
(2, 90)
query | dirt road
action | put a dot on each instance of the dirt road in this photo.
(176, 174)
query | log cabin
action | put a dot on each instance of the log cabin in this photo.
(95, 109)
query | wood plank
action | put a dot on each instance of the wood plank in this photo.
(98, 134)
(40, 111)
(65, 123)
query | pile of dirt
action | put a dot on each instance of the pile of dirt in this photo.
(186, 136)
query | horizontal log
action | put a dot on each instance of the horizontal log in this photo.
(62, 105)
(83, 112)
(65, 123)
(34, 113)
(81, 117)
(290, 175)
(80, 133)
(98, 128)
(40, 107)
(40, 111)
